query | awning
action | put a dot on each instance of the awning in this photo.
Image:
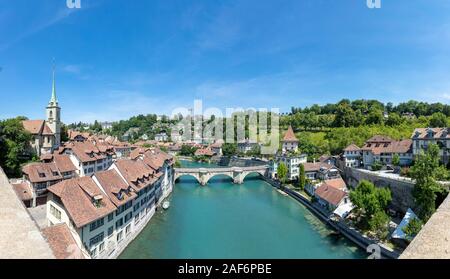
(399, 233)
(343, 210)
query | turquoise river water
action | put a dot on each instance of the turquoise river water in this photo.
(223, 220)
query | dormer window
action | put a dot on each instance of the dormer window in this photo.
(120, 195)
(41, 175)
(55, 173)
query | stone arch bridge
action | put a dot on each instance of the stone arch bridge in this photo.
(238, 174)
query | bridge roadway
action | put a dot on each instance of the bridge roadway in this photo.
(238, 174)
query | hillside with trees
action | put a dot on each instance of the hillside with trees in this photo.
(329, 128)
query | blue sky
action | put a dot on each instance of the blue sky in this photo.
(117, 58)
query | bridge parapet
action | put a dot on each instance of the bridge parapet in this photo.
(238, 174)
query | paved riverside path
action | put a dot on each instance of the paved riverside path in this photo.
(20, 237)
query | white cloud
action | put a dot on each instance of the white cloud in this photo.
(73, 69)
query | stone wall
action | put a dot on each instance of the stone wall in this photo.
(401, 190)
(20, 235)
(433, 241)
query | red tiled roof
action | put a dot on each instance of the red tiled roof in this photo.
(41, 172)
(204, 152)
(33, 126)
(337, 183)
(73, 134)
(382, 144)
(47, 131)
(380, 138)
(61, 242)
(86, 151)
(290, 135)
(316, 166)
(136, 173)
(437, 133)
(352, 147)
(113, 184)
(78, 196)
(23, 191)
(331, 194)
(63, 163)
(403, 146)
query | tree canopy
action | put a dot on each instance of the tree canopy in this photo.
(14, 146)
(426, 171)
(282, 171)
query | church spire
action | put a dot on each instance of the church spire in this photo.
(53, 100)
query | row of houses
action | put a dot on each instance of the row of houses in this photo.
(382, 149)
(83, 155)
(105, 211)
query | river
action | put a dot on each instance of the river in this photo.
(223, 220)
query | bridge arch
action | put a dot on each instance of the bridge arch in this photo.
(210, 176)
(260, 172)
(237, 174)
(179, 175)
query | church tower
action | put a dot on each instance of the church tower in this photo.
(53, 114)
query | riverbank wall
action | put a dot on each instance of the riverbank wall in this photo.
(401, 189)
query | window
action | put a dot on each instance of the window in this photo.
(94, 252)
(55, 212)
(128, 230)
(110, 231)
(128, 216)
(119, 223)
(119, 236)
(101, 247)
(96, 239)
(136, 219)
(110, 217)
(136, 207)
(96, 224)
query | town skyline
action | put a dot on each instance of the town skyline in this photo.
(228, 55)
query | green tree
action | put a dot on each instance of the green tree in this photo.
(177, 163)
(413, 228)
(376, 166)
(302, 177)
(14, 146)
(282, 171)
(187, 150)
(96, 127)
(426, 171)
(438, 119)
(345, 116)
(396, 160)
(379, 224)
(64, 133)
(369, 199)
(394, 119)
(375, 117)
(229, 149)
(255, 151)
